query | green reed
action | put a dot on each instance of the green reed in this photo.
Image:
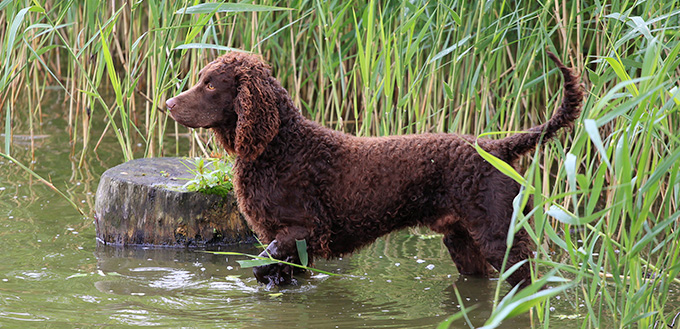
(605, 196)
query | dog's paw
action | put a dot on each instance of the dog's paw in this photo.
(277, 274)
(274, 275)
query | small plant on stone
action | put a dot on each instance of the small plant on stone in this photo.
(211, 176)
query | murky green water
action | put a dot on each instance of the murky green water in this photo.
(54, 274)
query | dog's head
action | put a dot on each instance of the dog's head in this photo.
(236, 96)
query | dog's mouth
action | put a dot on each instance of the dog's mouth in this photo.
(173, 111)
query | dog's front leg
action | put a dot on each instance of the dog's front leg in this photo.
(275, 274)
(282, 248)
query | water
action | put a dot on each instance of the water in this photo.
(54, 274)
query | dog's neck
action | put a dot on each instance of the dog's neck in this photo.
(225, 136)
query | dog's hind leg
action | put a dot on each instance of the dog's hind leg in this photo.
(463, 249)
(465, 252)
(488, 222)
(491, 234)
(520, 251)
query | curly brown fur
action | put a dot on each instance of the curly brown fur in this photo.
(297, 180)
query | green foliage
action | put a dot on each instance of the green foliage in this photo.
(605, 196)
(519, 302)
(211, 176)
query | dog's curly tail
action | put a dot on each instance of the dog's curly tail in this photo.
(514, 146)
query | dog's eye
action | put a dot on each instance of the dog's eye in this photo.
(210, 86)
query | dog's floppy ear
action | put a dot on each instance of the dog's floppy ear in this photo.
(258, 114)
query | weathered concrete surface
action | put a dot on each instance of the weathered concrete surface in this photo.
(142, 202)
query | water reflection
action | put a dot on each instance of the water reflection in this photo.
(413, 294)
(160, 271)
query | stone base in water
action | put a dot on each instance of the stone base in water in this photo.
(142, 202)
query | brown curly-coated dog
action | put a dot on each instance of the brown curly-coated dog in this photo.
(297, 180)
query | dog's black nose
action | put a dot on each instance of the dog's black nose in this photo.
(171, 103)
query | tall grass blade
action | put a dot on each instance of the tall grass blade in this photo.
(503, 167)
(458, 315)
(207, 46)
(8, 128)
(661, 170)
(519, 302)
(123, 137)
(5, 3)
(622, 74)
(594, 134)
(208, 8)
(8, 48)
